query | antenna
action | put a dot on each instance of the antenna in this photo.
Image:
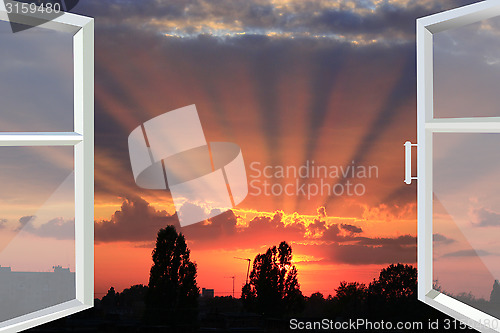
(248, 269)
(231, 277)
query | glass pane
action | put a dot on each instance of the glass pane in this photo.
(36, 80)
(37, 229)
(466, 218)
(467, 71)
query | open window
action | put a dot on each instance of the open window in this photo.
(46, 168)
(458, 163)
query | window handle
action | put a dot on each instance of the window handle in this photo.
(408, 177)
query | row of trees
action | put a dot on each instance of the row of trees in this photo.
(171, 302)
(273, 289)
(393, 295)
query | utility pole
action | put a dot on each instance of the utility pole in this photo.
(231, 277)
(248, 269)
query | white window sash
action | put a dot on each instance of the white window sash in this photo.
(82, 139)
(427, 125)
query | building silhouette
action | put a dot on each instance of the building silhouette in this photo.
(207, 293)
(25, 292)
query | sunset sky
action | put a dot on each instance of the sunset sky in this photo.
(290, 82)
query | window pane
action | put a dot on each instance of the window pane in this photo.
(36, 80)
(467, 71)
(37, 230)
(466, 218)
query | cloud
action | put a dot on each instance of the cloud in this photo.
(363, 255)
(442, 239)
(467, 253)
(392, 212)
(486, 218)
(2, 223)
(358, 254)
(261, 230)
(351, 228)
(317, 227)
(341, 232)
(332, 233)
(216, 227)
(23, 221)
(338, 242)
(136, 221)
(405, 240)
(57, 228)
(356, 250)
(350, 20)
(321, 212)
(276, 223)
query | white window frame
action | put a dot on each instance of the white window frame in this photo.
(82, 138)
(426, 127)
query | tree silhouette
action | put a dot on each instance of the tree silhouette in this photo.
(351, 290)
(495, 293)
(110, 301)
(315, 305)
(394, 292)
(396, 283)
(172, 294)
(131, 300)
(273, 289)
(350, 299)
